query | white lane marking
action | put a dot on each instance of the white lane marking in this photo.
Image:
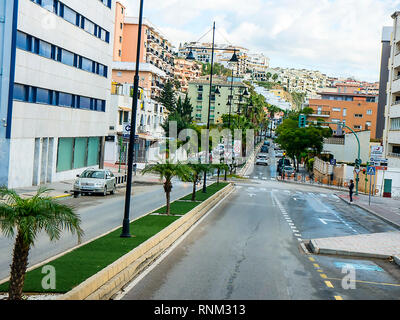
(324, 221)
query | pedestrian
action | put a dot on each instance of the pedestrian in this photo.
(351, 188)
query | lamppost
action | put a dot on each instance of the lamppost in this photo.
(191, 57)
(126, 222)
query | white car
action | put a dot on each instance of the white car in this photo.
(262, 159)
(95, 181)
(279, 153)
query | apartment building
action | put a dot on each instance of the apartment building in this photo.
(257, 63)
(156, 58)
(222, 54)
(199, 91)
(55, 92)
(358, 111)
(185, 71)
(391, 136)
(150, 116)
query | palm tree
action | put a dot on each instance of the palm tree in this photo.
(27, 218)
(197, 170)
(168, 171)
(220, 167)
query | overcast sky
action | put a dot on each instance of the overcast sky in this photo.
(337, 37)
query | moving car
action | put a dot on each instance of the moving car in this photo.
(279, 153)
(289, 170)
(262, 159)
(95, 181)
(280, 165)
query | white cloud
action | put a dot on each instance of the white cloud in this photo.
(341, 37)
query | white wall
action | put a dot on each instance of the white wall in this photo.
(349, 151)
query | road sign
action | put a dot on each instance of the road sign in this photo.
(357, 171)
(371, 171)
(333, 162)
(127, 129)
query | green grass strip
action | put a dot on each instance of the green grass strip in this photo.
(211, 190)
(77, 266)
(80, 264)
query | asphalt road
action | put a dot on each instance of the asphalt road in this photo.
(99, 215)
(249, 247)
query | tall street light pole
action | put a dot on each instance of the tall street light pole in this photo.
(209, 111)
(126, 222)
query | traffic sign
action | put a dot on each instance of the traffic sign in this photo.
(333, 162)
(357, 171)
(371, 171)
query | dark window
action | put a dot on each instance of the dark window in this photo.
(396, 149)
(45, 49)
(84, 103)
(65, 100)
(20, 92)
(42, 96)
(67, 57)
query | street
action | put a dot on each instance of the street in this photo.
(99, 215)
(249, 247)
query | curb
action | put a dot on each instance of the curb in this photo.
(104, 284)
(393, 224)
(315, 249)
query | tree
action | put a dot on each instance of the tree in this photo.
(218, 69)
(28, 218)
(167, 172)
(275, 77)
(220, 167)
(167, 97)
(268, 76)
(197, 170)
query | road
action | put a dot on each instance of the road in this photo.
(99, 215)
(249, 247)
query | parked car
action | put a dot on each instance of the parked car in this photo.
(95, 181)
(264, 149)
(262, 159)
(267, 143)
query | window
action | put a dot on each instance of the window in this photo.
(395, 124)
(51, 97)
(84, 103)
(45, 49)
(358, 115)
(396, 149)
(20, 92)
(67, 57)
(119, 54)
(344, 112)
(368, 123)
(369, 112)
(48, 5)
(43, 96)
(80, 153)
(22, 41)
(86, 64)
(335, 120)
(69, 14)
(336, 109)
(89, 26)
(93, 151)
(357, 127)
(120, 39)
(65, 154)
(65, 100)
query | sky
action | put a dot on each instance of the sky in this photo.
(337, 37)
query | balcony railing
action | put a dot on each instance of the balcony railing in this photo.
(321, 114)
(395, 155)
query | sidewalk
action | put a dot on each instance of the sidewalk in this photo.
(385, 208)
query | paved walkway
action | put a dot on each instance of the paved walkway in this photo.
(385, 208)
(375, 245)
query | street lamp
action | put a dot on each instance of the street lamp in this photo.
(126, 222)
(191, 57)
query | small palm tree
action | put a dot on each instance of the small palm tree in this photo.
(167, 172)
(220, 167)
(27, 218)
(198, 169)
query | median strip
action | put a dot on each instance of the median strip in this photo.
(83, 263)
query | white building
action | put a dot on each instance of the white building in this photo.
(273, 99)
(149, 118)
(57, 119)
(391, 135)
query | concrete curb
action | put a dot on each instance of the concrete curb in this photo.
(315, 249)
(110, 280)
(393, 224)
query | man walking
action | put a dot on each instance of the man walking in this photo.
(351, 188)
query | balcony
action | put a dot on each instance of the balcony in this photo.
(394, 155)
(396, 86)
(321, 114)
